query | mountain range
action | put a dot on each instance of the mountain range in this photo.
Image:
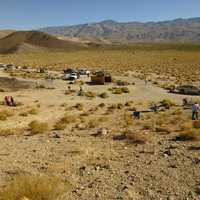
(178, 30)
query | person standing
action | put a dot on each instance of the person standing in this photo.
(195, 110)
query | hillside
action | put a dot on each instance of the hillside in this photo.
(34, 40)
(182, 30)
(4, 33)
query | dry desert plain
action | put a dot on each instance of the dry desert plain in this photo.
(56, 144)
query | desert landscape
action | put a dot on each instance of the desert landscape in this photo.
(79, 138)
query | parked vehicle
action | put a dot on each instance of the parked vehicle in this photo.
(71, 76)
(83, 71)
(188, 90)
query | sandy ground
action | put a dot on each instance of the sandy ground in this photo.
(99, 167)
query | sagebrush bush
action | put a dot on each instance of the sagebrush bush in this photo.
(196, 124)
(36, 127)
(104, 95)
(34, 187)
(136, 137)
(11, 131)
(62, 123)
(4, 114)
(167, 103)
(188, 135)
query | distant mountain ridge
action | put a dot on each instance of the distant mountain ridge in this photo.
(182, 30)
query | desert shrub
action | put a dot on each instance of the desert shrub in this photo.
(4, 114)
(93, 123)
(2, 90)
(18, 104)
(188, 135)
(136, 137)
(128, 119)
(36, 127)
(63, 105)
(119, 90)
(149, 125)
(11, 131)
(113, 106)
(85, 114)
(122, 83)
(62, 123)
(90, 94)
(167, 103)
(102, 105)
(40, 86)
(34, 187)
(162, 129)
(120, 105)
(32, 111)
(196, 124)
(23, 114)
(79, 106)
(128, 104)
(125, 90)
(104, 95)
(2, 103)
(185, 126)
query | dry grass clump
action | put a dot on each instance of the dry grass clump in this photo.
(2, 90)
(196, 124)
(185, 126)
(120, 106)
(137, 137)
(189, 132)
(128, 120)
(188, 135)
(36, 127)
(9, 131)
(34, 187)
(93, 123)
(4, 114)
(128, 103)
(62, 123)
(167, 103)
(148, 125)
(122, 83)
(88, 94)
(32, 111)
(102, 105)
(119, 90)
(79, 106)
(104, 95)
(163, 129)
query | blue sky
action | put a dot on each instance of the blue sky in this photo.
(32, 14)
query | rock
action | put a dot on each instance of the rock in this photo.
(119, 136)
(55, 135)
(80, 126)
(100, 132)
(167, 153)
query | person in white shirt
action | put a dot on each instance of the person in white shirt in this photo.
(195, 110)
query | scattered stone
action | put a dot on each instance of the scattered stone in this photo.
(55, 135)
(80, 126)
(100, 132)
(119, 136)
